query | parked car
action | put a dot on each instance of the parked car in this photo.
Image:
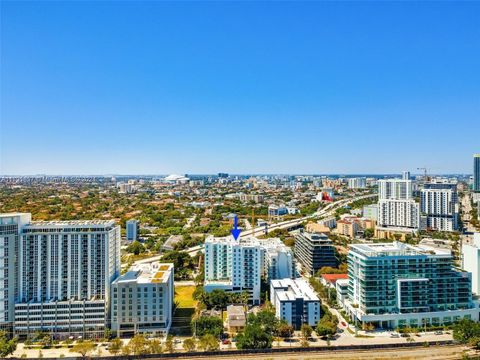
(343, 323)
(394, 335)
(439, 332)
(226, 342)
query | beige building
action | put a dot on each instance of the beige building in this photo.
(236, 319)
(317, 228)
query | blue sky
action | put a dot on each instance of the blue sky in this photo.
(241, 87)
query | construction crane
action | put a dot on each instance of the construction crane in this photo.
(425, 177)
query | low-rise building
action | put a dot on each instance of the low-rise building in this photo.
(295, 301)
(236, 319)
(142, 300)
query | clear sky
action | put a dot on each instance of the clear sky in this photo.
(241, 87)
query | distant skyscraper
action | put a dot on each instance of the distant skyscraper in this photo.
(476, 172)
(406, 175)
(132, 230)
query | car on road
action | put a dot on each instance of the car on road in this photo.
(226, 342)
(343, 323)
(438, 332)
(394, 336)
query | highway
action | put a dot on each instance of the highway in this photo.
(326, 211)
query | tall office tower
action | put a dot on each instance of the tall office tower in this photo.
(439, 203)
(314, 251)
(476, 172)
(357, 183)
(233, 265)
(142, 300)
(471, 261)
(396, 189)
(132, 229)
(65, 269)
(406, 175)
(398, 285)
(10, 227)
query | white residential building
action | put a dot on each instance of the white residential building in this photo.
(357, 183)
(238, 265)
(233, 265)
(142, 300)
(439, 203)
(397, 211)
(471, 261)
(277, 258)
(295, 301)
(397, 189)
(398, 214)
(65, 269)
(10, 228)
(132, 229)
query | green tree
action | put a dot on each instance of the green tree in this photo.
(169, 344)
(154, 346)
(83, 348)
(115, 346)
(207, 325)
(7, 346)
(208, 342)
(136, 248)
(254, 337)
(138, 345)
(306, 331)
(284, 330)
(189, 344)
(465, 330)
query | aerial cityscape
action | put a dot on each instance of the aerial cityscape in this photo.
(265, 180)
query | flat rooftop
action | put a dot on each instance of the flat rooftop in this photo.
(147, 273)
(229, 240)
(70, 223)
(397, 248)
(291, 289)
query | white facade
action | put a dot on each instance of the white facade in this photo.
(142, 300)
(278, 259)
(61, 263)
(471, 261)
(10, 227)
(295, 301)
(233, 265)
(357, 183)
(397, 189)
(132, 230)
(400, 214)
(439, 202)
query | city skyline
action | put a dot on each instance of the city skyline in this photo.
(297, 88)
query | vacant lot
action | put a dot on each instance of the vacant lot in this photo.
(184, 296)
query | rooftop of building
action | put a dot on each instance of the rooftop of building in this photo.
(291, 289)
(71, 223)
(244, 241)
(147, 273)
(316, 237)
(397, 248)
(333, 278)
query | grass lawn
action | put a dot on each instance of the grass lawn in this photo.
(184, 296)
